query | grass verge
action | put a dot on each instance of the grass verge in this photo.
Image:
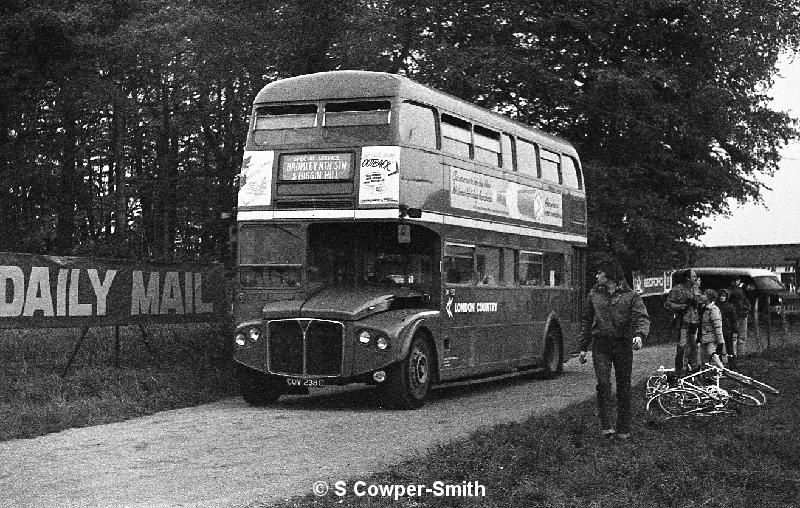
(750, 459)
(180, 366)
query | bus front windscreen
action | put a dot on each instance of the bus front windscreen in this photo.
(357, 254)
(270, 256)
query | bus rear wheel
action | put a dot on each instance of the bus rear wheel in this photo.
(408, 382)
(553, 359)
(257, 388)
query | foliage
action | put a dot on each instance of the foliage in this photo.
(124, 122)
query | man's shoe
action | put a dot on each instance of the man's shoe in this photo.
(623, 436)
(608, 433)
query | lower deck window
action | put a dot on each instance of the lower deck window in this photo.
(459, 264)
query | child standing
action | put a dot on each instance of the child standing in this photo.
(712, 342)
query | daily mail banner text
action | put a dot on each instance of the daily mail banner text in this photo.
(56, 291)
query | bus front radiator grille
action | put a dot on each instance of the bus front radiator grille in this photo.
(305, 347)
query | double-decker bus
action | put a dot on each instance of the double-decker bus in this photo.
(391, 234)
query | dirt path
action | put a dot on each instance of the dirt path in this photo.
(229, 454)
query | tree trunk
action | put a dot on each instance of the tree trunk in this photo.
(63, 242)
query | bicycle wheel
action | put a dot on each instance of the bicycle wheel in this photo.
(743, 395)
(656, 383)
(679, 401)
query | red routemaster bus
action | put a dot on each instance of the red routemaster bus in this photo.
(391, 234)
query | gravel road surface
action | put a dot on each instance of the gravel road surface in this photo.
(229, 454)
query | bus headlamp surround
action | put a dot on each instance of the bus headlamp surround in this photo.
(241, 339)
(254, 333)
(364, 337)
(382, 342)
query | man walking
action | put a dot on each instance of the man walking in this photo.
(682, 301)
(614, 324)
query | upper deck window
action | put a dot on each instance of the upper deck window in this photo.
(456, 136)
(288, 116)
(551, 166)
(507, 144)
(338, 114)
(418, 125)
(487, 146)
(571, 173)
(526, 158)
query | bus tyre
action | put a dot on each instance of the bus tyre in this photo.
(553, 359)
(257, 388)
(408, 382)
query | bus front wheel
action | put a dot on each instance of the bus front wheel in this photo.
(553, 359)
(408, 382)
(257, 388)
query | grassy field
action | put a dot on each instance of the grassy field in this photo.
(747, 460)
(179, 366)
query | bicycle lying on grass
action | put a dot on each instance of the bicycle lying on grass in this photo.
(711, 390)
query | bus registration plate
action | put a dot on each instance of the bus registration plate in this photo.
(311, 383)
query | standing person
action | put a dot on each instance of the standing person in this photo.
(682, 301)
(728, 326)
(742, 306)
(712, 341)
(614, 323)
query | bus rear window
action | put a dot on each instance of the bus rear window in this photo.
(338, 114)
(289, 116)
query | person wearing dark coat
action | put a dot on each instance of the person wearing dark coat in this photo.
(614, 323)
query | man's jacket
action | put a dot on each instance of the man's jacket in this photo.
(617, 316)
(682, 301)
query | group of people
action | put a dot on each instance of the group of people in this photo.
(711, 327)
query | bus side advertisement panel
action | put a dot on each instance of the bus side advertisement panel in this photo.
(53, 291)
(476, 192)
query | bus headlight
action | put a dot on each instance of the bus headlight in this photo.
(364, 337)
(241, 339)
(382, 343)
(254, 334)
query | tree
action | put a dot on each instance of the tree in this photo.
(125, 121)
(665, 101)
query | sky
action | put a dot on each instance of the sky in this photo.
(777, 220)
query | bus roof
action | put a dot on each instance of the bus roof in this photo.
(335, 85)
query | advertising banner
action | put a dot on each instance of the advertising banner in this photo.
(255, 178)
(379, 183)
(55, 291)
(652, 284)
(486, 194)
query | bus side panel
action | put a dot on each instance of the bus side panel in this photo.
(494, 329)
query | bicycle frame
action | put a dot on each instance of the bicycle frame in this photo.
(700, 393)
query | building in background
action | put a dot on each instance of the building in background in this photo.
(783, 259)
